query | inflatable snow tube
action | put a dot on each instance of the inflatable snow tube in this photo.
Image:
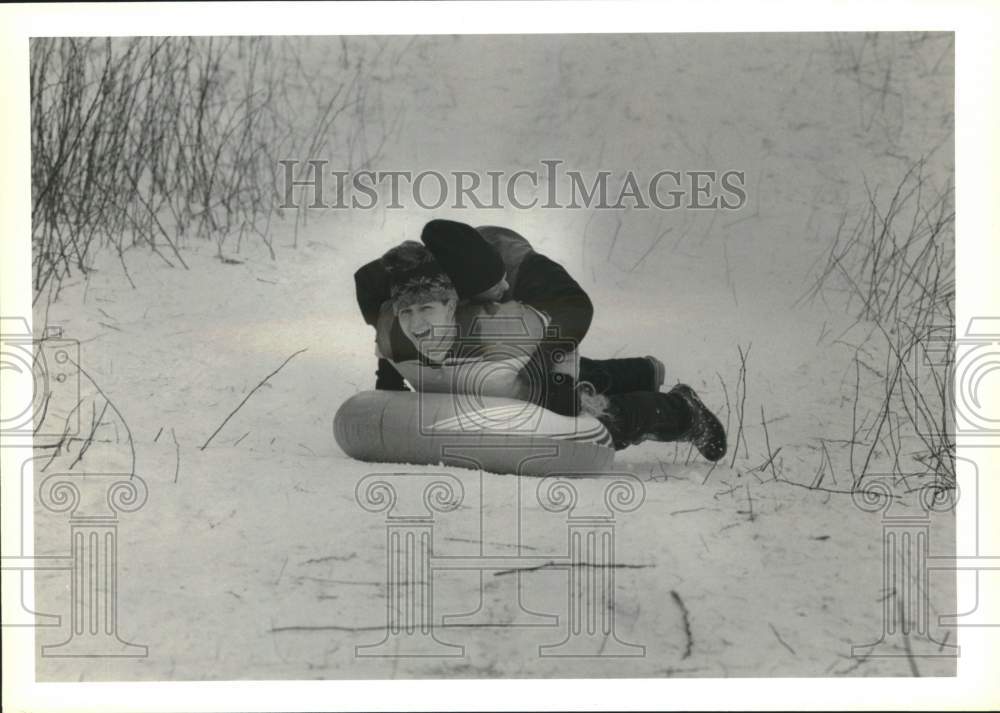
(496, 434)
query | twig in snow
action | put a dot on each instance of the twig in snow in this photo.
(131, 442)
(850, 669)
(177, 450)
(247, 398)
(709, 473)
(780, 640)
(687, 622)
(825, 490)
(546, 565)
(767, 442)
(854, 414)
(281, 572)
(820, 473)
(741, 387)
(681, 512)
(729, 275)
(95, 423)
(829, 461)
(57, 450)
(906, 637)
(663, 470)
(651, 248)
(331, 558)
(329, 627)
(770, 462)
(614, 238)
(45, 410)
(725, 392)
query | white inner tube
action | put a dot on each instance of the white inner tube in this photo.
(496, 434)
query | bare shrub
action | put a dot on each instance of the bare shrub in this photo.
(896, 265)
(151, 141)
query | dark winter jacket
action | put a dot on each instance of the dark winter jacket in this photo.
(534, 280)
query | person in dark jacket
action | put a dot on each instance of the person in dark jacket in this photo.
(492, 264)
(631, 415)
(454, 347)
(443, 341)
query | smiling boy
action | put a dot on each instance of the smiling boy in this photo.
(492, 264)
(440, 344)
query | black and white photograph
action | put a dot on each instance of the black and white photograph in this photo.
(495, 355)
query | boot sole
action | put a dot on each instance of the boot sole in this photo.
(714, 448)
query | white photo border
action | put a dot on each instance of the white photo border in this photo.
(978, 230)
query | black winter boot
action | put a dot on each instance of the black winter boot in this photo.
(705, 432)
(646, 415)
(678, 415)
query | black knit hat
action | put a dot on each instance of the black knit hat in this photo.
(472, 263)
(415, 276)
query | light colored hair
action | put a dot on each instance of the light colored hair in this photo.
(415, 276)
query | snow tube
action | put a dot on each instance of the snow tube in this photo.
(500, 435)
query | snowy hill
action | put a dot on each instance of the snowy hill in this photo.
(252, 557)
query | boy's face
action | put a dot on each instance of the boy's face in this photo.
(427, 324)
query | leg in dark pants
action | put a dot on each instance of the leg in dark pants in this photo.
(633, 417)
(678, 415)
(621, 376)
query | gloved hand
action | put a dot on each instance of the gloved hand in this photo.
(387, 378)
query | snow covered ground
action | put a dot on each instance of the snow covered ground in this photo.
(252, 558)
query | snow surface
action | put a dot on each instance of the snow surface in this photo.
(260, 531)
